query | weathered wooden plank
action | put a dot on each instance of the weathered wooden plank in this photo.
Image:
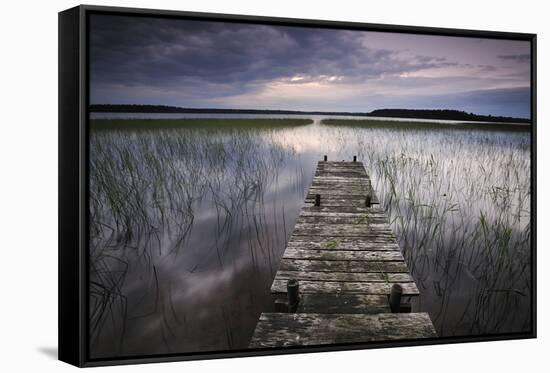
(340, 303)
(336, 168)
(358, 178)
(350, 239)
(328, 195)
(333, 193)
(341, 173)
(342, 182)
(340, 204)
(336, 220)
(331, 210)
(340, 187)
(342, 218)
(328, 212)
(336, 164)
(342, 179)
(340, 163)
(311, 212)
(359, 181)
(348, 230)
(335, 232)
(294, 253)
(351, 174)
(305, 329)
(361, 227)
(320, 182)
(332, 169)
(332, 287)
(343, 202)
(342, 266)
(328, 237)
(361, 222)
(353, 199)
(339, 195)
(336, 171)
(335, 244)
(344, 276)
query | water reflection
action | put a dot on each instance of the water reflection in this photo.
(188, 227)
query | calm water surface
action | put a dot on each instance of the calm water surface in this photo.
(188, 226)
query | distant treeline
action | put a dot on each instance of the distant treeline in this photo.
(444, 115)
(390, 113)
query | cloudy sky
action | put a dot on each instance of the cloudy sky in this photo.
(137, 60)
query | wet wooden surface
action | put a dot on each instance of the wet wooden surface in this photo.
(346, 259)
(305, 329)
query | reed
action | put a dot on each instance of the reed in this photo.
(185, 211)
(459, 202)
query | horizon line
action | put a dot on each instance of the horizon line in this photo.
(315, 111)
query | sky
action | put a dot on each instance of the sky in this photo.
(197, 64)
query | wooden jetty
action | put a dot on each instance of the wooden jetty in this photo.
(342, 278)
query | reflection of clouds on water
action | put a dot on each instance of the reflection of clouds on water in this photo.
(459, 203)
(203, 287)
(240, 191)
(305, 139)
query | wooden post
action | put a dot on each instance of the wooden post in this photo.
(395, 297)
(326, 158)
(368, 200)
(355, 158)
(317, 200)
(293, 294)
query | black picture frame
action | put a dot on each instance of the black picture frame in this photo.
(73, 181)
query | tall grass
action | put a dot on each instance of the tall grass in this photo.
(149, 191)
(459, 202)
(188, 224)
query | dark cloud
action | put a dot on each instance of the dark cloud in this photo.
(134, 51)
(197, 64)
(516, 57)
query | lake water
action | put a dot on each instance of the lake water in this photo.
(188, 225)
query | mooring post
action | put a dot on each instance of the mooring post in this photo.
(326, 158)
(395, 297)
(293, 294)
(355, 158)
(368, 200)
(317, 200)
